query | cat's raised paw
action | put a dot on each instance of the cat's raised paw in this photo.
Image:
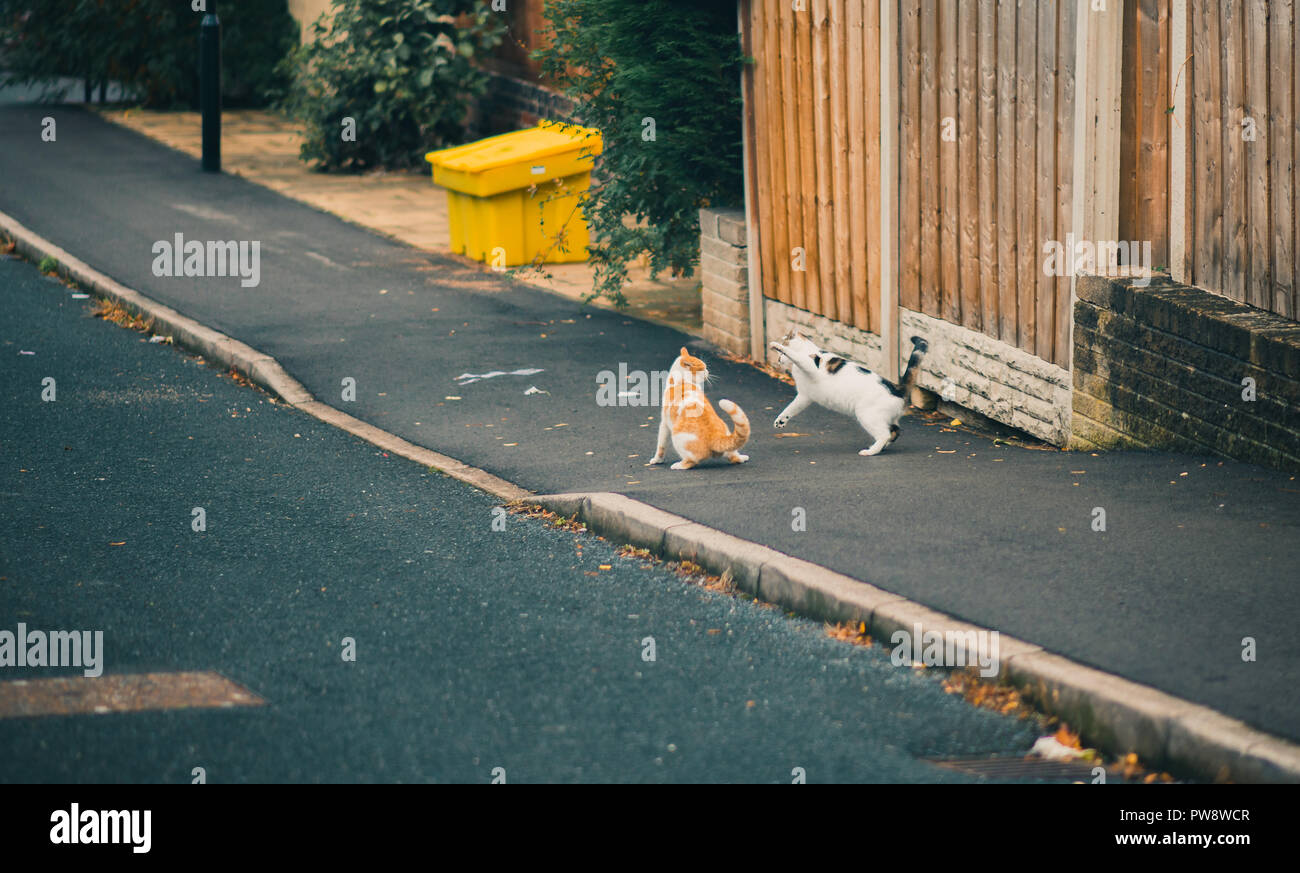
(781, 421)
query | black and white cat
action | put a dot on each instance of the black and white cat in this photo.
(848, 388)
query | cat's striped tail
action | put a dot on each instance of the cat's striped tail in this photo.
(919, 348)
(740, 434)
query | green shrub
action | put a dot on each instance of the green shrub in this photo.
(149, 46)
(402, 70)
(676, 63)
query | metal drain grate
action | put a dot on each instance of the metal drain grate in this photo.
(1018, 768)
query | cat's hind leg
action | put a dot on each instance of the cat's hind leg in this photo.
(878, 429)
(682, 443)
(735, 457)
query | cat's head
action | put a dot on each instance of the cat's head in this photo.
(798, 344)
(689, 368)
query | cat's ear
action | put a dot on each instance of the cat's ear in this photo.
(684, 354)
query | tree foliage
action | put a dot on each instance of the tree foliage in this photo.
(661, 80)
(150, 47)
(402, 70)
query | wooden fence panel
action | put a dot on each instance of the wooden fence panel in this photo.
(1283, 126)
(994, 94)
(818, 151)
(1243, 163)
(1144, 133)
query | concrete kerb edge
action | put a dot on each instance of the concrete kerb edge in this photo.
(1163, 730)
(258, 367)
(1118, 715)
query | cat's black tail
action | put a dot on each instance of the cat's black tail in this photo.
(919, 348)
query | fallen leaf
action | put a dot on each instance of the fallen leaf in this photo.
(118, 544)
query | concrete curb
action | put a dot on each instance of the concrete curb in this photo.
(1117, 715)
(256, 366)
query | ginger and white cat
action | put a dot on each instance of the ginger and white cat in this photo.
(688, 419)
(848, 388)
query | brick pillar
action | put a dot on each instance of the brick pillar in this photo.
(724, 268)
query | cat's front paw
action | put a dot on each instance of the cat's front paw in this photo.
(781, 421)
(657, 459)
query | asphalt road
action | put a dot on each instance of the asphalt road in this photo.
(1197, 554)
(476, 648)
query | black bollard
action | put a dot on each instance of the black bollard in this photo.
(210, 88)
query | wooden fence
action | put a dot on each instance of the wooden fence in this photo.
(1015, 129)
(986, 140)
(985, 143)
(816, 154)
(1241, 88)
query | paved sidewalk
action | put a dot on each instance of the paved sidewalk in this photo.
(1198, 552)
(264, 147)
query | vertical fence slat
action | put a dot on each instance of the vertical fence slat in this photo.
(1232, 100)
(821, 150)
(838, 35)
(1256, 189)
(1130, 143)
(859, 265)
(759, 105)
(968, 163)
(931, 276)
(949, 180)
(1184, 92)
(806, 132)
(790, 150)
(776, 268)
(1282, 172)
(1027, 205)
(1045, 294)
(1209, 146)
(1295, 157)
(987, 167)
(873, 255)
(909, 129)
(1154, 26)
(1063, 308)
(1007, 188)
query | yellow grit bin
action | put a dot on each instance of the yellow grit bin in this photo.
(508, 196)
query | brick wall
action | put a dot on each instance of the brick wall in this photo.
(724, 272)
(512, 104)
(1163, 366)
